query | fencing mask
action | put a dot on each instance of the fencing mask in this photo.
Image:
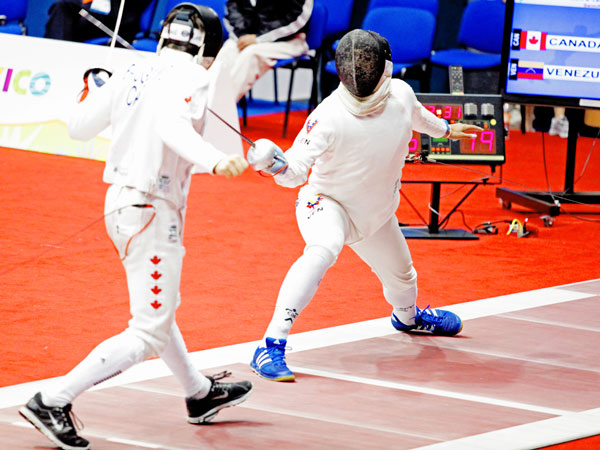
(360, 61)
(195, 29)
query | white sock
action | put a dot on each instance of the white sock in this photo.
(298, 288)
(176, 357)
(107, 360)
(404, 303)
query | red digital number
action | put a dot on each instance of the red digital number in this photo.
(478, 144)
(487, 137)
(447, 112)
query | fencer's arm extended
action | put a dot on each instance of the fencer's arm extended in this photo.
(179, 135)
(173, 123)
(265, 156)
(299, 165)
(424, 121)
(314, 140)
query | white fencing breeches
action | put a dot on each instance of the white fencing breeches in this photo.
(326, 228)
(149, 242)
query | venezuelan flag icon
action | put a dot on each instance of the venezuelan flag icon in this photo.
(531, 70)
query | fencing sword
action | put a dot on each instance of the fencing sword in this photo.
(115, 37)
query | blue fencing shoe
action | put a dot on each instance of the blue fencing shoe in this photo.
(269, 361)
(437, 321)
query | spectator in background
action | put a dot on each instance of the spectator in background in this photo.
(559, 125)
(64, 21)
(547, 119)
(260, 33)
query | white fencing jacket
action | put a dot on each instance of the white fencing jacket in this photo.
(357, 160)
(157, 110)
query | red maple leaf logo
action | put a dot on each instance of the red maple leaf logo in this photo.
(155, 260)
(156, 275)
(188, 99)
(533, 40)
(155, 304)
(156, 290)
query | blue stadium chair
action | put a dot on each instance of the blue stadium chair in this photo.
(12, 16)
(432, 6)
(312, 61)
(339, 14)
(410, 33)
(479, 36)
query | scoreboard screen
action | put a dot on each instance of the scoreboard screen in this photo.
(485, 111)
(551, 52)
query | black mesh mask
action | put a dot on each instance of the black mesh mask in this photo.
(360, 61)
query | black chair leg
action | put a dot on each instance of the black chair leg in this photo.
(426, 80)
(275, 86)
(244, 104)
(289, 102)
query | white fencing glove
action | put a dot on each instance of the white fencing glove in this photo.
(93, 79)
(264, 155)
(231, 166)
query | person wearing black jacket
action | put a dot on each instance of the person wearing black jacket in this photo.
(65, 23)
(260, 33)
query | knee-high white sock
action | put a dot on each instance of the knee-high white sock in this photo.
(107, 360)
(176, 357)
(298, 288)
(404, 303)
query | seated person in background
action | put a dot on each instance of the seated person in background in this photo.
(64, 21)
(260, 33)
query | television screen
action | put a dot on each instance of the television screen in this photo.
(551, 52)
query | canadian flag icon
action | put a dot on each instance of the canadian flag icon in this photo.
(533, 40)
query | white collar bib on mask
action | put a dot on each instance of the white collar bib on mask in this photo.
(361, 106)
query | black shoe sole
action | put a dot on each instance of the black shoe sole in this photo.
(208, 416)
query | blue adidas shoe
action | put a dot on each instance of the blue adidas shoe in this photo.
(269, 361)
(437, 321)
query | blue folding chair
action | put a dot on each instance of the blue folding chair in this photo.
(312, 60)
(339, 14)
(432, 6)
(479, 37)
(410, 33)
(12, 16)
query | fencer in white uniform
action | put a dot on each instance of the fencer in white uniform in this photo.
(157, 109)
(354, 146)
